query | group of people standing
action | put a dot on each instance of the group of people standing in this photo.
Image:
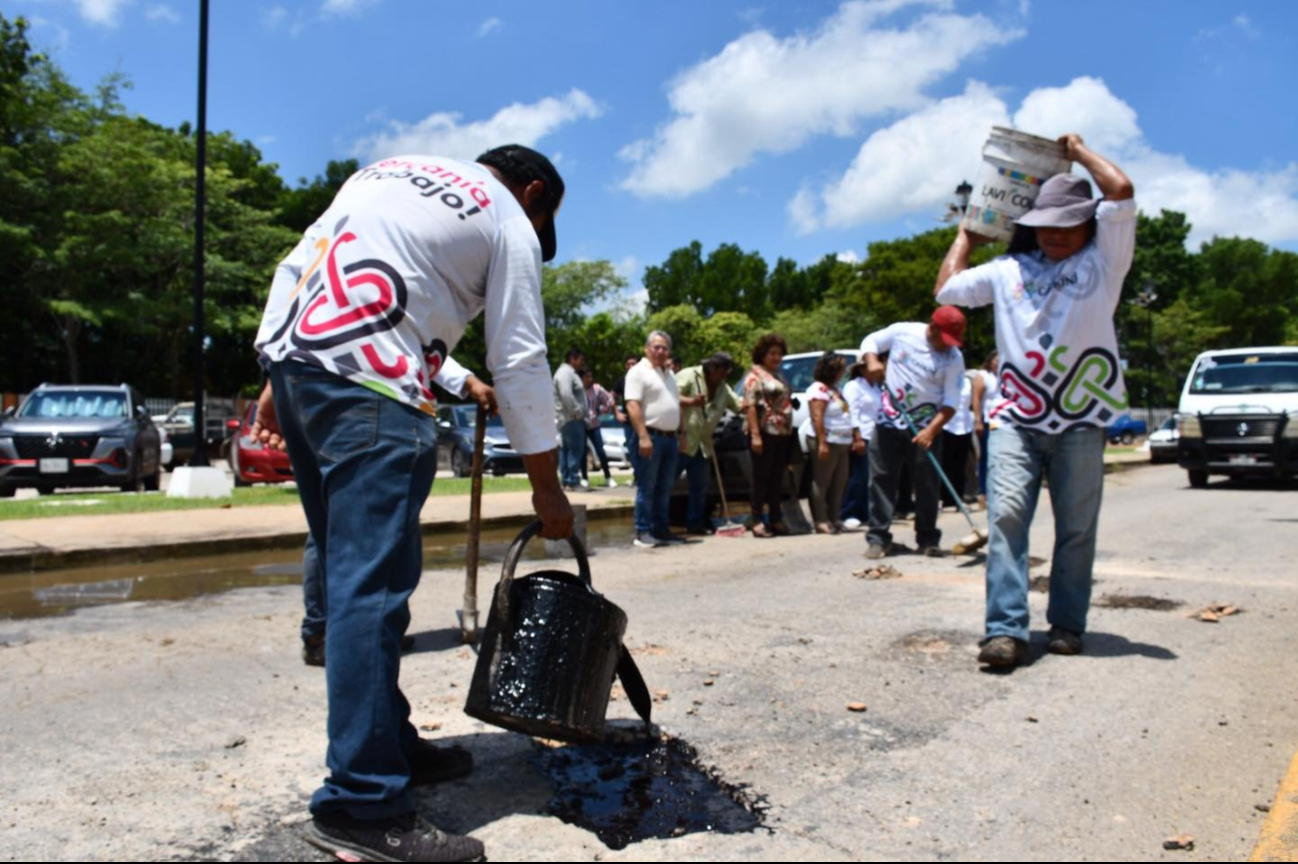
(348, 397)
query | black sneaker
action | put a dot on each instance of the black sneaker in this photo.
(402, 838)
(669, 537)
(932, 552)
(1063, 641)
(313, 650)
(432, 764)
(1003, 651)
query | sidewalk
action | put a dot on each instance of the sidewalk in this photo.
(39, 544)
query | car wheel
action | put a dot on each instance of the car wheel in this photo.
(1128, 438)
(7, 491)
(460, 464)
(153, 482)
(44, 490)
(1198, 479)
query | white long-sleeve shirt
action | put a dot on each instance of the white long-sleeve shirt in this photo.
(381, 287)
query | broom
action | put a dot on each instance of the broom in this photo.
(970, 542)
(726, 528)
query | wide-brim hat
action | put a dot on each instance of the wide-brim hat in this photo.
(1065, 201)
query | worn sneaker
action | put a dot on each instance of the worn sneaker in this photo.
(932, 551)
(612, 484)
(646, 541)
(852, 523)
(1063, 641)
(584, 483)
(1003, 651)
(669, 537)
(875, 551)
(432, 764)
(402, 838)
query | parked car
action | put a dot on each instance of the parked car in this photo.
(1162, 443)
(253, 462)
(1239, 414)
(455, 425)
(614, 435)
(1125, 430)
(79, 436)
(219, 423)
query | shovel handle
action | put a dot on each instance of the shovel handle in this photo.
(475, 519)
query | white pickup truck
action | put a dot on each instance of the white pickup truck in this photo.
(1239, 414)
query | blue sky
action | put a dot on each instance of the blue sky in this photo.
(794, 129)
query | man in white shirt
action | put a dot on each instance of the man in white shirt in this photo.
(1054, 296)
(361, 318)
(863, 400)
(922, 381)
(653, 404)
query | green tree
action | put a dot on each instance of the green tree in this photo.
(676, 281)
(301, 207)
(733, 332)
(682, 322)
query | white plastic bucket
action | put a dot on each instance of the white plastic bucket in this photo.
(1015, 164)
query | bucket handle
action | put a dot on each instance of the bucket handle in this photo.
(515, 553)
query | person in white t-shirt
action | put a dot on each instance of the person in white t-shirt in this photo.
(864, 398)
(833, 439)
(653, 403)
(986, 389)
(1054, 296)
(957, 443)
(361, 317)
(922, 383)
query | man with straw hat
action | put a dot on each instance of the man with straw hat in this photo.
(1054, 296)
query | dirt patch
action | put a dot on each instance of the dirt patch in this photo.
(883, 571)
(1041, 584)
(1138, 601)
(933, 643)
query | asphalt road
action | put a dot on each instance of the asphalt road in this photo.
(192, 730)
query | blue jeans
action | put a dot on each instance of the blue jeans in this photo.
(573, 453)
(654, 477)
(313, 592)
(1073, 465)
(364, 465)
(698, 470)
(856, 500)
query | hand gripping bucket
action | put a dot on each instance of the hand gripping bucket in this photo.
(1015, 164)
(549, 653)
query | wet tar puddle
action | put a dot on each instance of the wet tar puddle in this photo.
(634, 787)
(1138, 601)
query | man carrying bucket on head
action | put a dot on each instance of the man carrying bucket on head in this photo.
(1054, 298)
(361, 317)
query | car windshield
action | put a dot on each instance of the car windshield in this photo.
(798, 371)
(1268, 373)
(467, 415)
(79, 404)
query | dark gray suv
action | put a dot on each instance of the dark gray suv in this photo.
(68, 436)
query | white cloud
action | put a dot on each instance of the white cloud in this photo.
(444, 134)
(273, 17)
(162, 12)
(762, 94)
(909, 166)
(1245, 26)
(105, 13)
(344, 7)
(489, 25)
(913, 165)
(59, 38)
(848, 257)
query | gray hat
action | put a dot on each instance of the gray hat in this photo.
(1064, 202)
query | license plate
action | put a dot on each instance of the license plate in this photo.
(54, 466)
(1243, 459)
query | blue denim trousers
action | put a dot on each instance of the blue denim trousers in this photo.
(313, 592)
(1072, 463)
(856, 500)
(573, 452)
(698, 471)
(364, 464)
(654, 477)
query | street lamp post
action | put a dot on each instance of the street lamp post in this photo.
(1145, 299)
(199, 459)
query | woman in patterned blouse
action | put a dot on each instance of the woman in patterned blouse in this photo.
(770, 431)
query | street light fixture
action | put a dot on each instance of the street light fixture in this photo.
(1145, 299)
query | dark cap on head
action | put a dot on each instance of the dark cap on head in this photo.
(522, 165)
(1064, 202)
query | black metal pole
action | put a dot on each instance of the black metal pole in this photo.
(1149, 388)
(199, 459)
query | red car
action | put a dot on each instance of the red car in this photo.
(251, 461)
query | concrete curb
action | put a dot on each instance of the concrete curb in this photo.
(1278, 840)
(36, 558)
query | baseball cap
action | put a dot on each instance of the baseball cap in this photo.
(950, 323)
(521, 164)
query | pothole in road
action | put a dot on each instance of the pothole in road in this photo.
(1138, 601)
(634, 787)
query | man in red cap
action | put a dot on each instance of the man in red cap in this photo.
(921, 385)
(1054, 296)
